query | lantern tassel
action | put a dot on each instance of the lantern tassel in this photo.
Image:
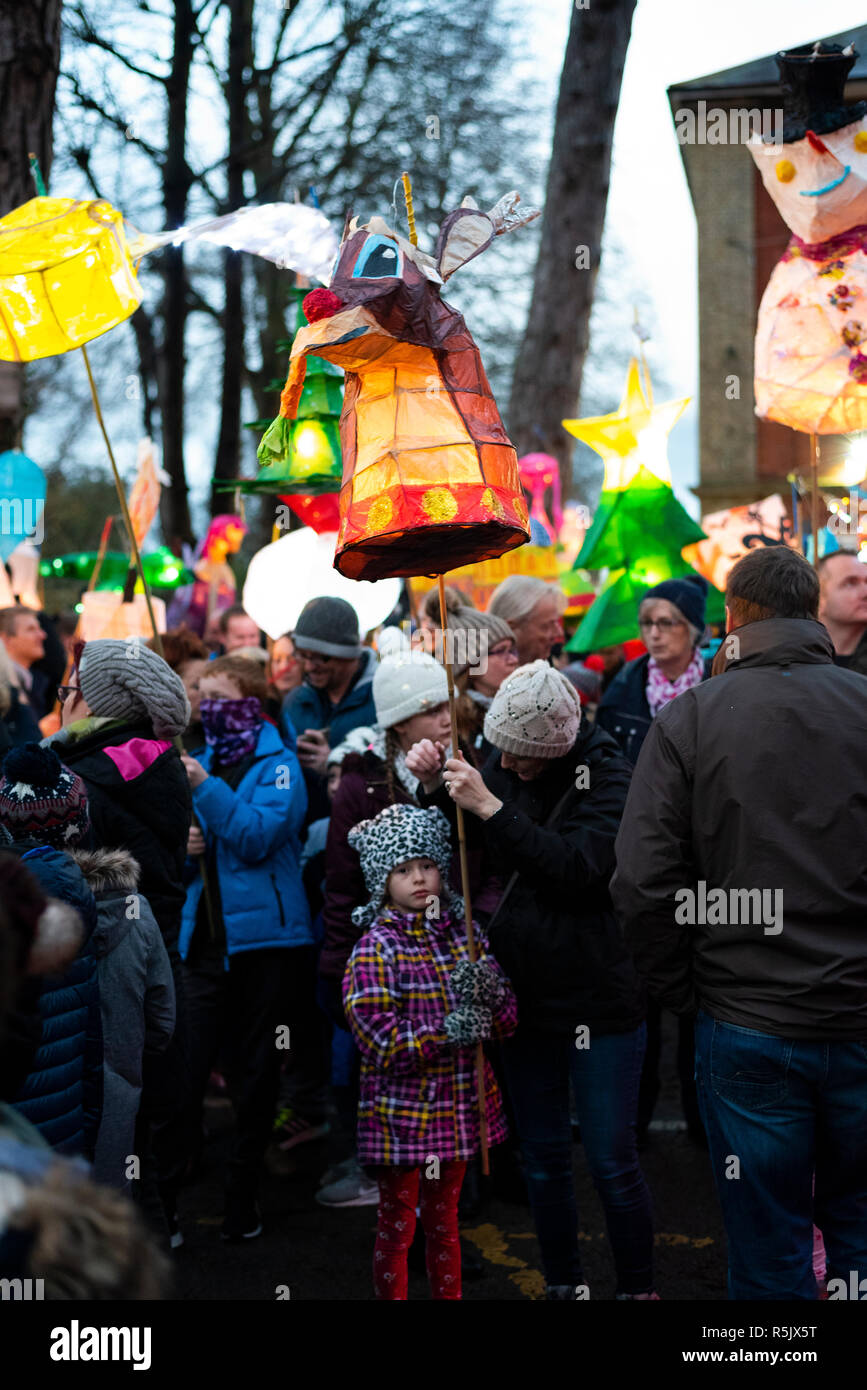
(465, 871)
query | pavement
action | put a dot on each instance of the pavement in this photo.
(308, 1252)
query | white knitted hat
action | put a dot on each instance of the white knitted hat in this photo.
(126, 680)
(535, 713)
(407, 684)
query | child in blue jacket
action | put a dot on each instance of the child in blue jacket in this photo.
(244, 935)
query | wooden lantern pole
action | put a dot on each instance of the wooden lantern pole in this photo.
(462, 842)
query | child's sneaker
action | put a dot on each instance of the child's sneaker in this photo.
(355, 1189)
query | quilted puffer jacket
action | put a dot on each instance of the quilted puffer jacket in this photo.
(62, 1095)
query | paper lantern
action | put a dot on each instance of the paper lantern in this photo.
(537, 473)
(632, 437)
(430, 478)
(163, 569)
(65, 277)
(106, 615)
(299, 566)
(291, 235)
(320, 513)
(811, 336)
(22, 501)
(638, 534)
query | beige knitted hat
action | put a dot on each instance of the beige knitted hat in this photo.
(535, 713)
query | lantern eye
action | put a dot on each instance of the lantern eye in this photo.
(785, 171)
(860, 141)
(379, 259)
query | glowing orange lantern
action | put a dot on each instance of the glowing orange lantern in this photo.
(430, 478)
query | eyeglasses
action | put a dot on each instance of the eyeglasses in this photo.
(64, 692)
(505, 649)
(664, 624)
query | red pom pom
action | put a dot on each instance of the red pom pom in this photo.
(320, 304)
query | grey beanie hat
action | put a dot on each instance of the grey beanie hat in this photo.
(329, 626)
(535, 713)
(475, 633)
(126, 680)
(397, 834)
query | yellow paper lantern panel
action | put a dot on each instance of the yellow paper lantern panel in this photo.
(66, 277)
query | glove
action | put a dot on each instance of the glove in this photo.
(478, 983)
(468, 1025)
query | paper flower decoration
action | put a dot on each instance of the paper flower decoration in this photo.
(300, 566)
(632, 437)
(66, 277)
(811, 338)
(430, 478)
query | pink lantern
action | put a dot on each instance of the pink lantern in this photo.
(538, 472)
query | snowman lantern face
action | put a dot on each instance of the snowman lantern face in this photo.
(818, 184)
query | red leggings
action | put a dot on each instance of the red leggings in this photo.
(398, 1196)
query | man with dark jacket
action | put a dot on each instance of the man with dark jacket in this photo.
(337, 694)
(741, 885)
(843, 607)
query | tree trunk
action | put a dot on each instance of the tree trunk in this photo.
(174, 503)
(227, 463)
(29, 61)
(547, 381)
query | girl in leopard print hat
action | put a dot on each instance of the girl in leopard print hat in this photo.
(417, 1007)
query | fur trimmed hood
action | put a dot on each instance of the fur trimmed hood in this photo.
(108, 870)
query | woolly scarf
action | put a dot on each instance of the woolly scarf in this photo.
(660, 690)
(231, 727)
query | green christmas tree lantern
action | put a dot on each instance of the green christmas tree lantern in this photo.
(640, 528)
(303, 455)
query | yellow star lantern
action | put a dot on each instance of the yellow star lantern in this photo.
(66, 276)
(633, 436)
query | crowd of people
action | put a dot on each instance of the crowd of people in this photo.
(229, 864)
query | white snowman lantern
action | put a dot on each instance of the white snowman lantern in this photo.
(811, 338)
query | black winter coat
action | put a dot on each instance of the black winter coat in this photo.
(140, 801)
(755, 783)
(556, 936)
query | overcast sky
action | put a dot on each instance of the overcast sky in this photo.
(649, 208)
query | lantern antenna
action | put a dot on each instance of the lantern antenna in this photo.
(410, 214)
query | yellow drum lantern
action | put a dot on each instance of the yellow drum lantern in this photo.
(66, 276)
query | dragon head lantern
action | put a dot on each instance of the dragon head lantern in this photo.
(430, 478)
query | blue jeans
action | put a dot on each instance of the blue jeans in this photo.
(778, 1110)
(605, 1077)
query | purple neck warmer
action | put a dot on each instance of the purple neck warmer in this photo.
(231, 727)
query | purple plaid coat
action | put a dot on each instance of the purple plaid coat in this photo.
(418, 1093)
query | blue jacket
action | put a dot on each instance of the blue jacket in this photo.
(257, 831)
(308, 708)
(623, 710)
(62, 1095)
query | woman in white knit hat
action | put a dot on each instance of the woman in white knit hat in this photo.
(546, 808)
